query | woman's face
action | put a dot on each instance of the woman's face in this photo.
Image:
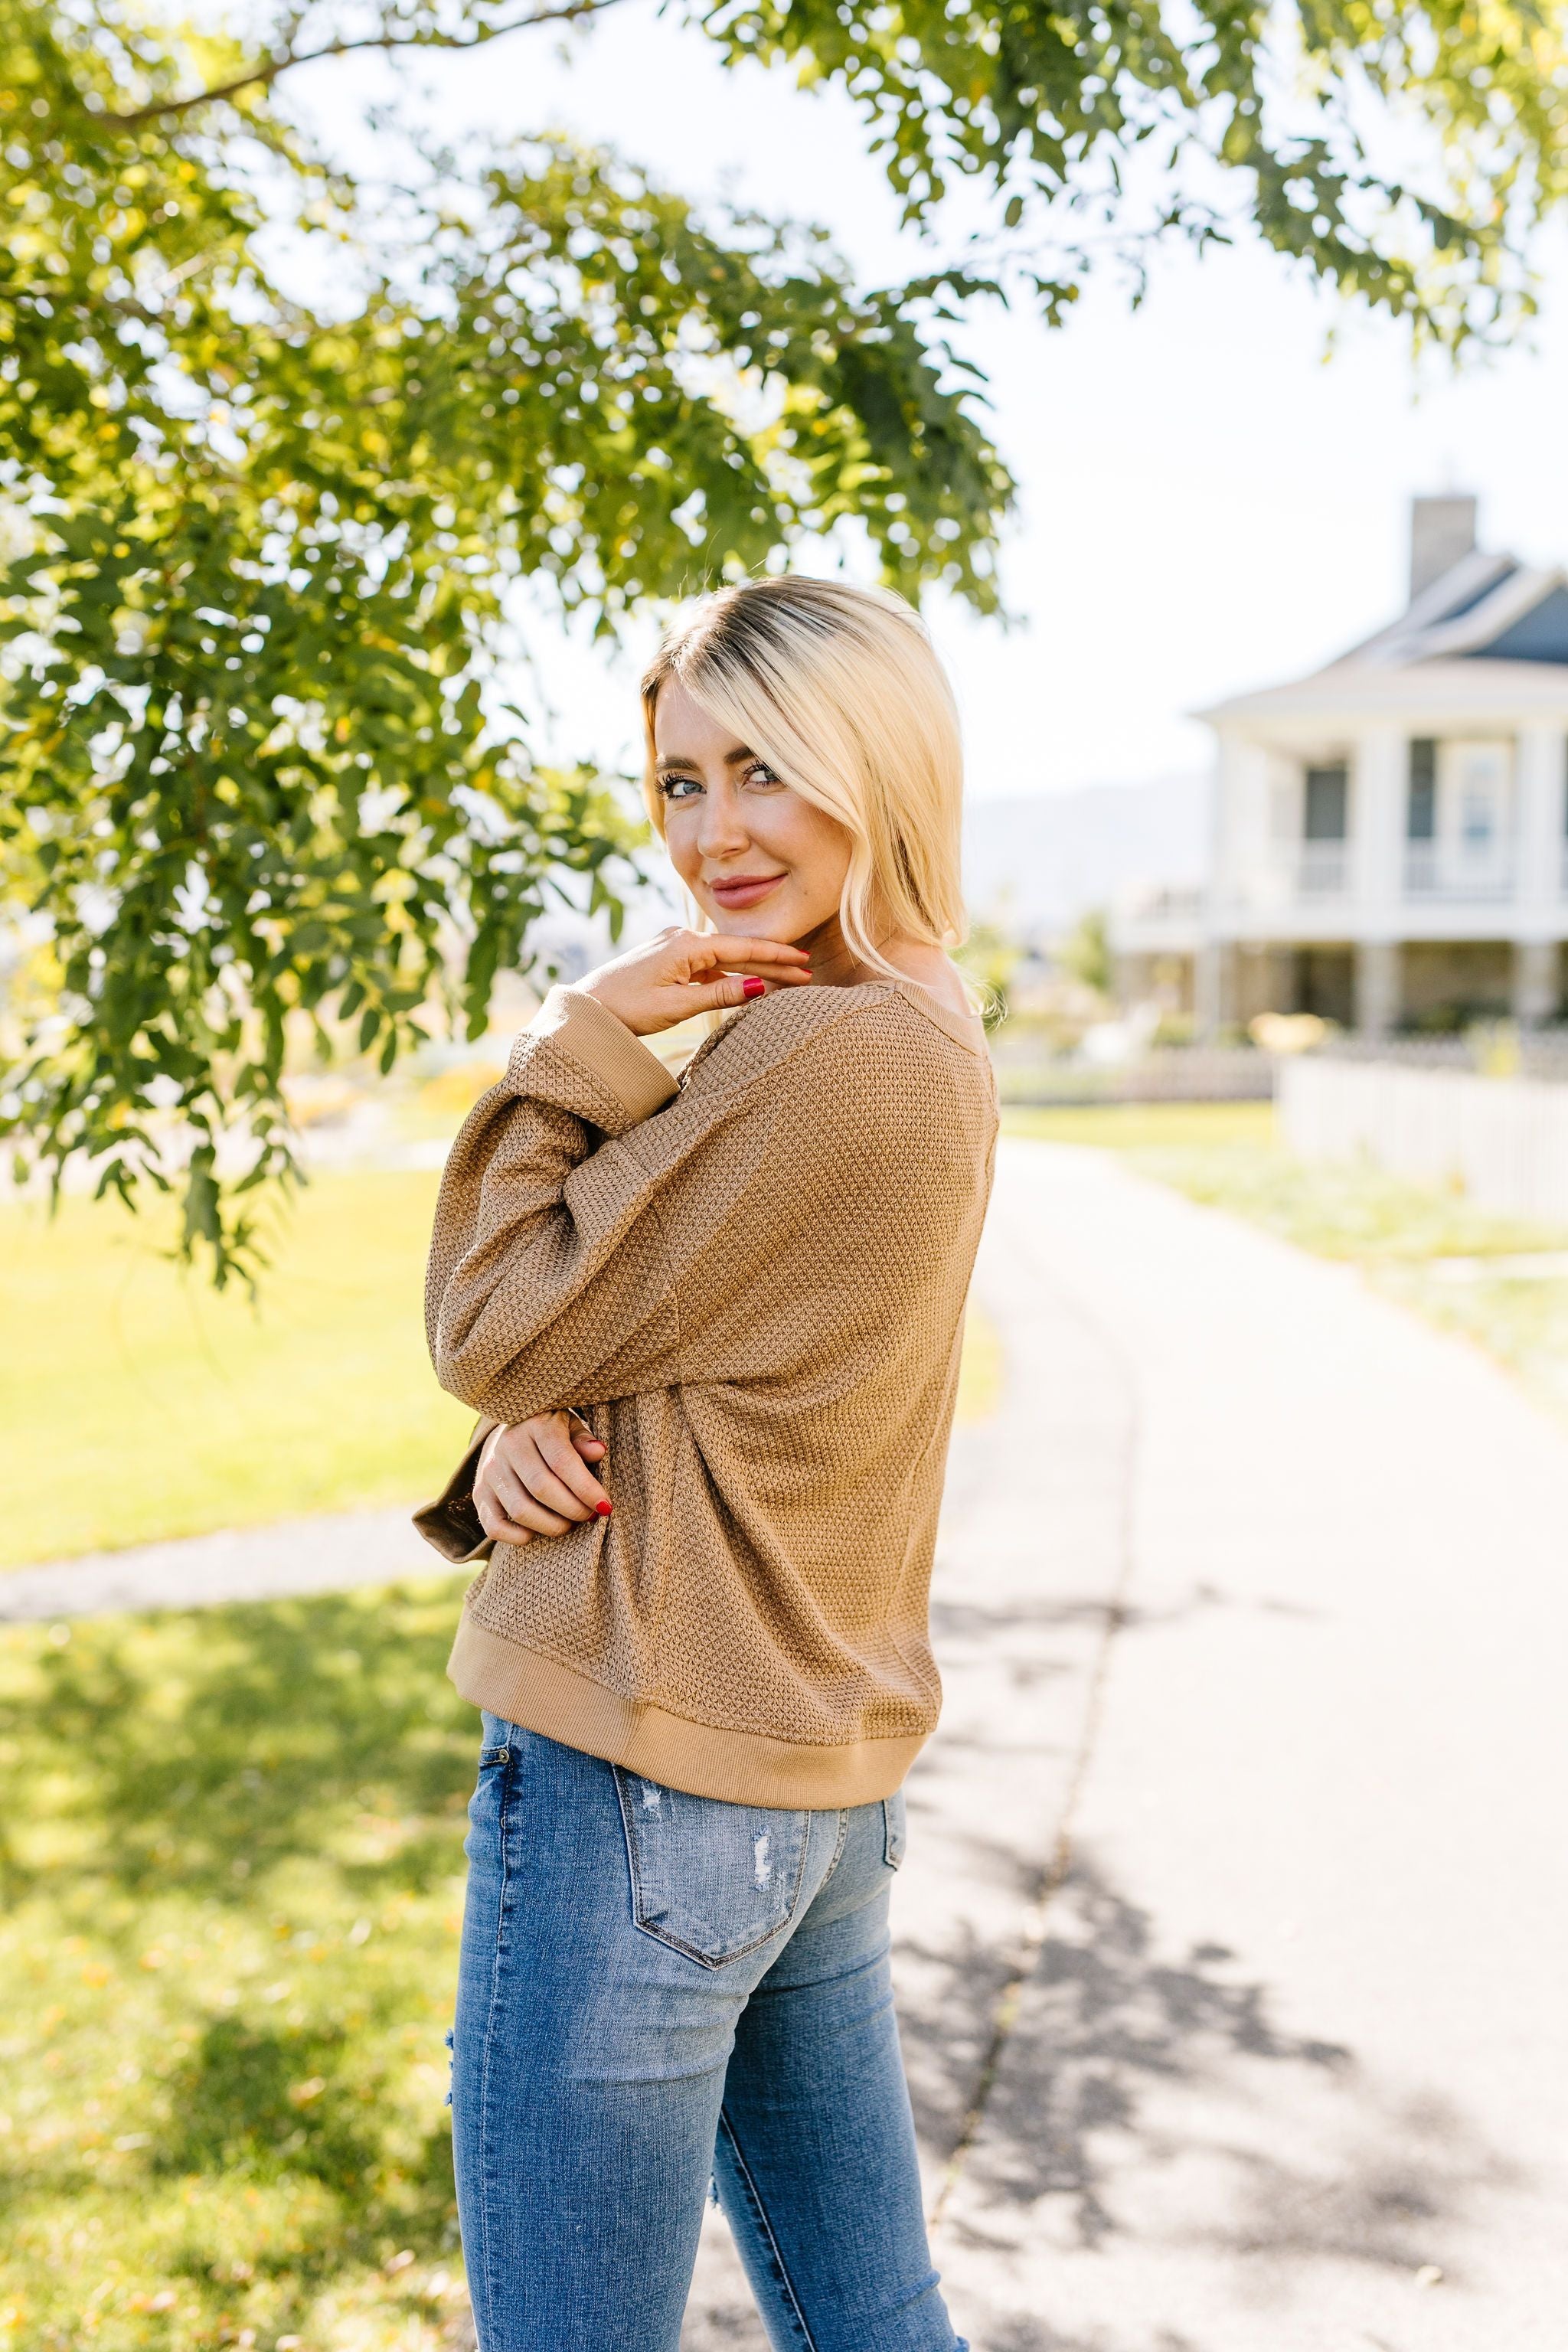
(756, 858)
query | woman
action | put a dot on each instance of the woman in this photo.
(739, 1295)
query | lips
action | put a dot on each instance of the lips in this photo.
(744, 890)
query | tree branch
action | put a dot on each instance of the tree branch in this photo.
(264, 74)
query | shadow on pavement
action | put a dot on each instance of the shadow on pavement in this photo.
(1154, 2101)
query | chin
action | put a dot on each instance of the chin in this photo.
(754, 923)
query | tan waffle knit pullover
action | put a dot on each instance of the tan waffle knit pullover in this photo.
(752, 1283)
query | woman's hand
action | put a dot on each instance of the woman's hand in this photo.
(682, 973)
(533, 1479)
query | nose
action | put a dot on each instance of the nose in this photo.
(720, 831)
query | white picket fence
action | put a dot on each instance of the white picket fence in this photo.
(1505, 1141)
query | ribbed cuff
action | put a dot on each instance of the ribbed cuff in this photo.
(589, 1033)
(451, 1522)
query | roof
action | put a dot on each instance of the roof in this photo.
(1489, 630)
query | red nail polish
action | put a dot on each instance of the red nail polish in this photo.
(752, 985)
(603, 1509)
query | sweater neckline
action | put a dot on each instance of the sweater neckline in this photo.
(965, 1030)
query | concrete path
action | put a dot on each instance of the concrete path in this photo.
(324, 1554)
(1237, 1896)
(1234, 1934)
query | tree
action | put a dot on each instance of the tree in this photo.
(1085, 953)
(277, 448)
(990, 956)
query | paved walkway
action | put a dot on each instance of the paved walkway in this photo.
(325, 1554)
(1233, 1932)
(1284, 2066)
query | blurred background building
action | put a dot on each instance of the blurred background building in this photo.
(1389, 842)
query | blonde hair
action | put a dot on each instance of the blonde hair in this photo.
(840, 690)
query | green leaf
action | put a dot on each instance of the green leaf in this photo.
(261, 790)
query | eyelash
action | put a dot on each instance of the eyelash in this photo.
(758, 768)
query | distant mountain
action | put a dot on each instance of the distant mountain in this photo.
(1039, 862)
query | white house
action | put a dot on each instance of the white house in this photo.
(1391, 834)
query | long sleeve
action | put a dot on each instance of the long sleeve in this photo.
(586, 1187)
(516, 1243)
(753, 1285)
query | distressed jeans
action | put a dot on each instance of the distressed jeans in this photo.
(658, 1989)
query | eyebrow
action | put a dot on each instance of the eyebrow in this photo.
(677, 760)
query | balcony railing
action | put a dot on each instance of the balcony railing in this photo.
(1453, 872)
(1174, 902)
(1322, 869)
(1440, 869)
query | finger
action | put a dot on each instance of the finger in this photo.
(498, 1527)
(733, 988)
(589, 1447)
(793, 978)
(561, 1457)
(521, 1507)
(736, 951)
(520, 1482)
(548, 1486)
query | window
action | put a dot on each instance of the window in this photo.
(1327, 800)
(1477, 822)
(1478, 777)
(1459, 818)
(1421, 807)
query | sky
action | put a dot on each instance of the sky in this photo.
(1213, 488)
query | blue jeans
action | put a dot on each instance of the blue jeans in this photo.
(655, 1988)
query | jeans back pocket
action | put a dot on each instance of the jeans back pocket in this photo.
(486, 1806)
(895, 1830)
(711, 1879)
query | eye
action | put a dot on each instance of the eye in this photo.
(759, 772)
(672, 788)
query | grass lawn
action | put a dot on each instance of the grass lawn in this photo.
(1142, 1126)
(231, 1854)
(230, 1858)
(136, 1402)
(1405, 1236)
(980, 1368)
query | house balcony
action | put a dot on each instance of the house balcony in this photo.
(1322, 869)
(1447, 871)
(1168, 922)
(1448, 874)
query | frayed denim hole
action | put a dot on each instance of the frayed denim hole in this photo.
(449, 2038)
(712, 2189)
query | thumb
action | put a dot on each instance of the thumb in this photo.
(730, 988)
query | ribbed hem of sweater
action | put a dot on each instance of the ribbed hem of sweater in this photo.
(743, 1768)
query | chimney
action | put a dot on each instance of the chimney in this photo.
(1441, 531)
